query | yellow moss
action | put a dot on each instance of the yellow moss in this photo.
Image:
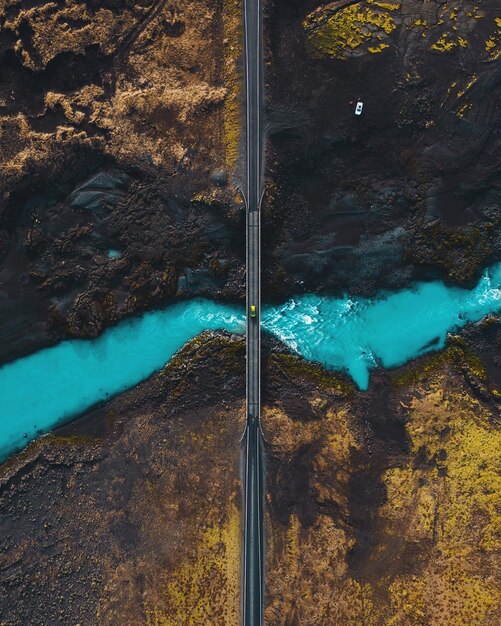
(410, 502)
(296, 367)
(389, 6)
(468, 85)
(347, 29)
(474, 598)
(412, 76)
(232, 55)
(380, 48)
(451, 498)
(457, 434)
(207, 197)
(444, 43)
(425, 510)
(453, 85)
(363, 603)
(292, 551)
(454, 356)
(493, 44)
(464, 600)
(474, 485)
(454, 25)
(336, 32)
(408, 599)
(462, 110)
(206, 588)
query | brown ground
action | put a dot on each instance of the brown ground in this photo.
(383, 508)
(139, 524)
(119, 129)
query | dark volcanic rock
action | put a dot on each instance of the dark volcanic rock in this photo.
(110, 123)
(219, 177)
(59, 280)
(409, 189)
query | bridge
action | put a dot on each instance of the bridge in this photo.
(253, 552)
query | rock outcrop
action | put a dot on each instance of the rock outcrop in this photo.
(410, 188)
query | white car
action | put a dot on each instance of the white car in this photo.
(359, 107)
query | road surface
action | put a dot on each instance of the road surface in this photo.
(253, 561)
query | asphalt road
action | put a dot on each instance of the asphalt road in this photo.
(253, 562)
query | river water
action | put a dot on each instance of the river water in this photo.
(49, 387)
(356, 335)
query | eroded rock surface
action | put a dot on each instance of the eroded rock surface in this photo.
(410, 188)
(114, 117)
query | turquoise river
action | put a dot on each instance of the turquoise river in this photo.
(55, 384)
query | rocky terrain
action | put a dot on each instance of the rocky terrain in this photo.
(131, 515)
(119, 130)
(119, 169)
(411, 188)
(382, 506)
(120, 126)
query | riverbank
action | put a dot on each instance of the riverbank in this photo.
(350, 335)
(124, 515)
(370, 492)
(119, 126)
